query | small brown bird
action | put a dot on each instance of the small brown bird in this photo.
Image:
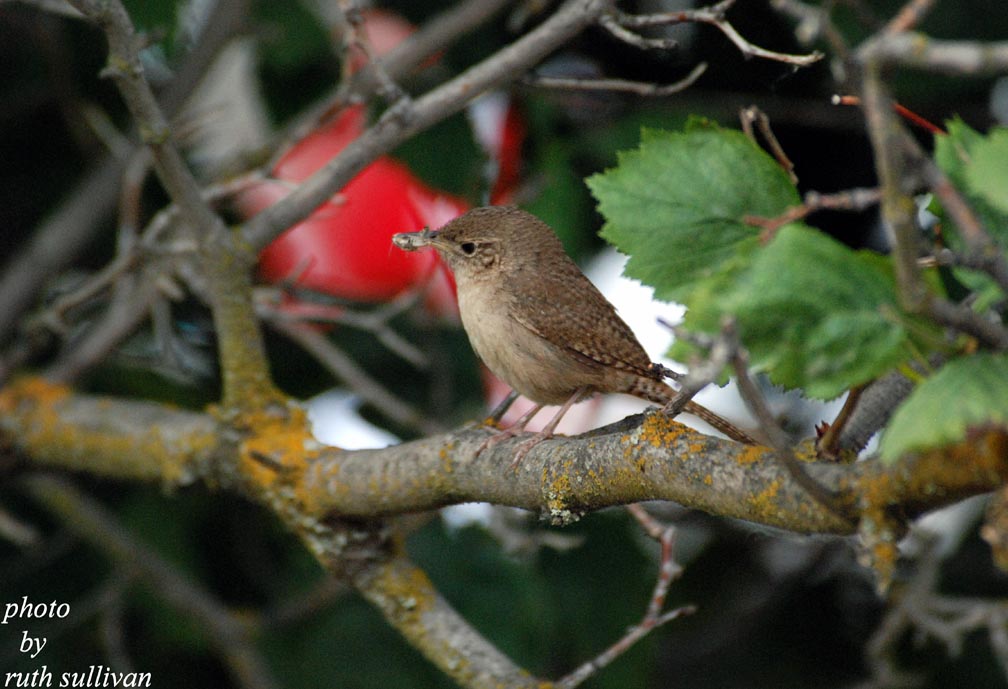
(538, 323)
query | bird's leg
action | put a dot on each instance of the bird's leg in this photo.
(495, 416)
(512, 430)
(547, 431)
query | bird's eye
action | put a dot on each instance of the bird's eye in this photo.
(468, 248)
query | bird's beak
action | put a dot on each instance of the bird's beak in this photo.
(411, 241)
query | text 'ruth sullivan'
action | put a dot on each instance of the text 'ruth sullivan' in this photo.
(96, 676)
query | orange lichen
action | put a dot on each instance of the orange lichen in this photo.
(445, 455)
(38, 411)
(750, 454)
(30, 390)
(661, 431)
(277, 447)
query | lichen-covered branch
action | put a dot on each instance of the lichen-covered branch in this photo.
(645, 457)
(339, 502)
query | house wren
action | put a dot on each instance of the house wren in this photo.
(537, 322)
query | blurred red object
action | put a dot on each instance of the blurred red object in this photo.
(345, 247)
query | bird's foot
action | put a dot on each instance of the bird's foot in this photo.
(525, 448)
(498, 436)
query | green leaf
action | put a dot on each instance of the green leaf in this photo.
(817, 315)
(966, 393)
(676, 204)
(988, 173)
(973, 165)
(970, 161)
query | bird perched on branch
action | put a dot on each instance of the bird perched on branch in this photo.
(538, 323)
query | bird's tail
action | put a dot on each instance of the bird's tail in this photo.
(659, 392)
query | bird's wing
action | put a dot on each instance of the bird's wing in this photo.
(568, 310)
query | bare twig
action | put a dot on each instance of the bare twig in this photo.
(756, 403)
(919, 607)
(376, 321)
(854, 200)
(813, 21)
(16, 531)
(343, 368)
(668, 571)
(620, 32)
(434, 36)
(828, 445)
(982, 251)
(702, 374)
(639, 88)
(890, 144)
(715, 16)
(904, 112)
(753, 115)
(355, 38)
(909, 16)
(67, 231)
(916, 50)
(129, 306)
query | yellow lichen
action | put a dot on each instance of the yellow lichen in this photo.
(33, 390)
(660, 430)
(277, 448)
(764, 503)
(750, 454)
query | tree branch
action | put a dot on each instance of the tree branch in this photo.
(919, 51)
(401, 122)
(645, 457)
(65, 233)
(225, 261)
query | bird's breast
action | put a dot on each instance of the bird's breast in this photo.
(535, 367)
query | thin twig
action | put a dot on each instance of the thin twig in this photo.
(269, 305)
(355, 38)
(753, 115)
(919, 51)
(504, 66)
(620, 32)
(903, 111)
(828, 445)
(700, 375)
(854, 200)
(343, 368)
(433, 37)
(814, 21)
(920, 608)
(668, 571)
(756, 403)
(715, 16)
(74, 223)
(909, 16)
(892, 151)
(640, 88)
(129, 306)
